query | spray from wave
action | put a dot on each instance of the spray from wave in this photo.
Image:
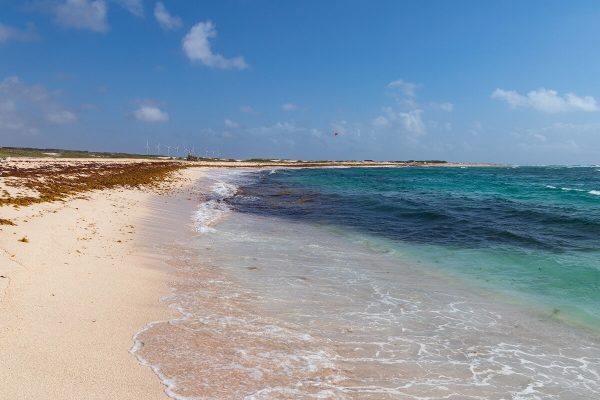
(214, 207)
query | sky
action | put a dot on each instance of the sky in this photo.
(478, 81)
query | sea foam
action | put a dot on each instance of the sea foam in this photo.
(213, 208)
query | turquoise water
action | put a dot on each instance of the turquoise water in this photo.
(384, 284)
(532, 233)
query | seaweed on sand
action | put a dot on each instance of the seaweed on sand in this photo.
(58, 181)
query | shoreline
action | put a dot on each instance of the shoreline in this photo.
(113, 287)
(75, 292)
(239, 320)
(266, 163)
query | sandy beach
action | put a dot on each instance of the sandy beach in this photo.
(137, 279)
(279, 200)
(81, 272)
(77, 280)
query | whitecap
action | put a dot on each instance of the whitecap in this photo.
(214, 207)
(209, 213)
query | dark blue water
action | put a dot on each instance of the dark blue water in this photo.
(533, 232)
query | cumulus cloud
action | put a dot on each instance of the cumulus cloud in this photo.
(406, 118)
(381, 122)
(406, 122)
(231, 124)
(150, 113)
(289, 107)
(8, 33)
(82, 14)
(412, 121)
(196, 45)
(407, 88)
(136, 7)
(165, 19)
(28, 109)
(547, 101)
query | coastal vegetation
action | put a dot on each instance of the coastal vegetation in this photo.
(61, 153)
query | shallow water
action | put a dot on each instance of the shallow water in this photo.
(274, 307)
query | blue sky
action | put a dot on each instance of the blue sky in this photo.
(504, 81)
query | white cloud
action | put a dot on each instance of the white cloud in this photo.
(8, 33)
(149, 113)
(412, 122)
(136, 7)
(559, 143)
(548, 101)
(448, 107)
(289, 107)
(61, 116)
(82, 14)
(406, 88)
(27, 109)
(164, 19)
(196, 45)
(247, 109)
(278, 127)
(287, 133)
(350, 130)
(231, 124)
(381, 122)
(405, 122)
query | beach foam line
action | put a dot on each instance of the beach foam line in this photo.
(214, 207)
(170, 384)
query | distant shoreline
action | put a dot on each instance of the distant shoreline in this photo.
(18, 153)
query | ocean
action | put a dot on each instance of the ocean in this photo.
(386, 283)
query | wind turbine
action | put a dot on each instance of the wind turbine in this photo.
(147, 148)
(177, 150)
(168, 151)
(158, 148)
